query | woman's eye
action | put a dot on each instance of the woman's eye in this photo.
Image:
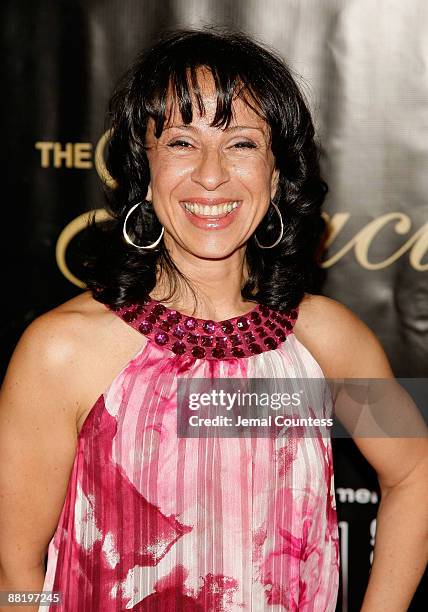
(180, 143)
(245, 144)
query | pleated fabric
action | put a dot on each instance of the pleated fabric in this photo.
(153, 522)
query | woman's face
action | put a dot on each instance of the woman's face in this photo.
(210, 187)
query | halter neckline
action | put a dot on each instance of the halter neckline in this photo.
(260, 329)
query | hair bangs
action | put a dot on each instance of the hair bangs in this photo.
(181, 87)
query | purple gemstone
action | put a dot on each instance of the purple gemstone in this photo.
(174, 317)
(273, 315)
(235, 340)
(198, 352)
(279, 333)
(261, 332)
(178, 347)
(256, 318)
(207, 340)
(270, 342)
(209, 327)
(264, 310)
(161, 338)
(218, 353)
(255, 348)
(179, 332)
(165, 326)
(293, 314)
(237, 351)
(242, 323)
(140, 308)
(129, 316)
(249, 337)
(158, 309)
(190, 323)
(192, 338)
(152, 318)
(227, 327)
(145, 327)
(288, 324)
(269, 324)
(221, 342)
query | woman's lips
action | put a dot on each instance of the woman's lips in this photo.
(219, 221)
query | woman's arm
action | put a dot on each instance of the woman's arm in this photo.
(37, 449)
(346, 348)
(401, 464)
(401, 543)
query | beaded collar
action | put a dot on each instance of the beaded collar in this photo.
(261, 329)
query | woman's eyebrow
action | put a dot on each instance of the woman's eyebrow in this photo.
(243, 127)
(228, 129)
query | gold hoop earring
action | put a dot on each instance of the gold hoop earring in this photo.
(280, 235)
(128, 239)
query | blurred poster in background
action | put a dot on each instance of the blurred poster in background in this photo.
(363, 67)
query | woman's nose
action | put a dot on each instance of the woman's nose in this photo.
(211, 170)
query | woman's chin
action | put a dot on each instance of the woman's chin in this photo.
(214, 252)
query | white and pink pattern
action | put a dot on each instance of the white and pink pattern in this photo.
(153, 522)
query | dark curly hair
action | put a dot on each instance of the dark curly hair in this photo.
(118, 274)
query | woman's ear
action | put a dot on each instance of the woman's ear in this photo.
(149, 195)
(274, 183)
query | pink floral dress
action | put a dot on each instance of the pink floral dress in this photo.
(155, 522)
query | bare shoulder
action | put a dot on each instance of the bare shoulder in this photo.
(317, 311)
(67, 328)
(84, 323)
(339, 340)
(81, 344)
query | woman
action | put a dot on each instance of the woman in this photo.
(204, 272)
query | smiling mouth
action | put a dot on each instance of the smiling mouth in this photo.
(217, 211)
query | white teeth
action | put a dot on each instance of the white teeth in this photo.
(210, 211)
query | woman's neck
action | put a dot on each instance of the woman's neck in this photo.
(216, 283)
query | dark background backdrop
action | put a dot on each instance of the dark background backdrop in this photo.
(363, 66)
